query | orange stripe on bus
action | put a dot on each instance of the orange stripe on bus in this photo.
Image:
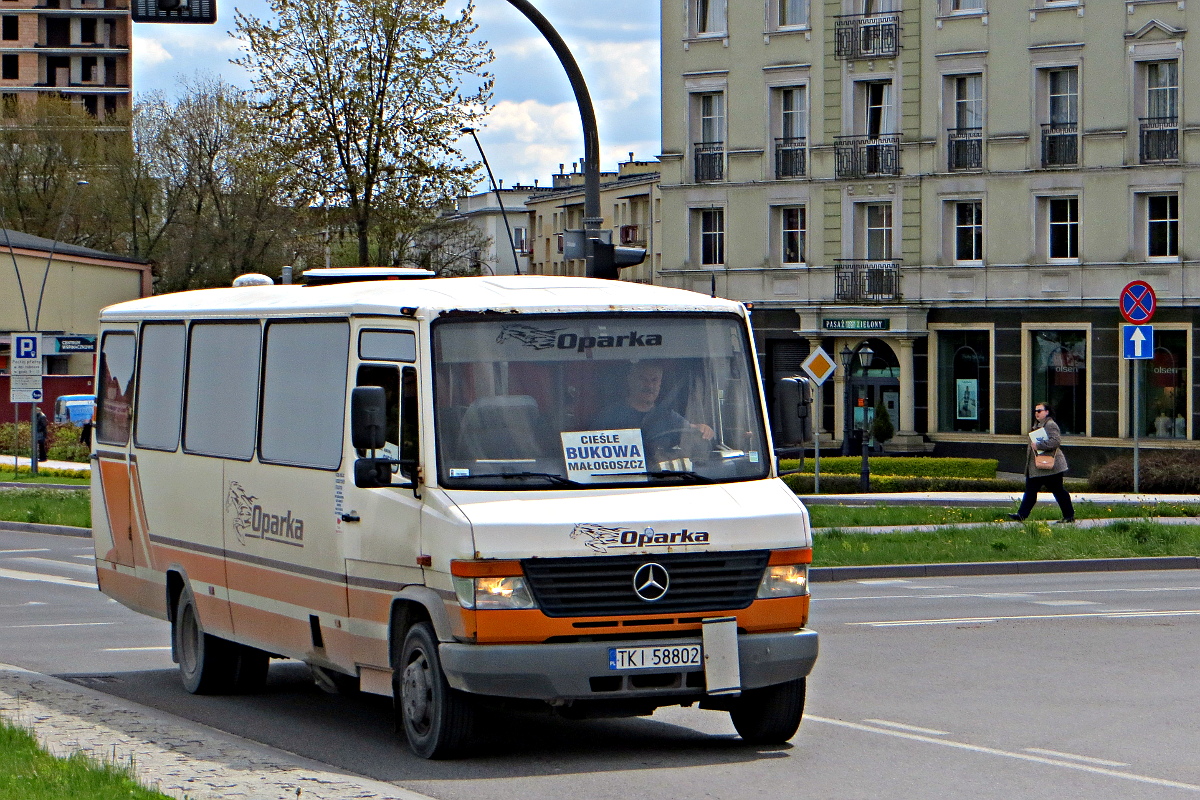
(321, 596)
(114, 483)
(532, 626)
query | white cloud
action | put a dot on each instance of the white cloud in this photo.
(148, 53)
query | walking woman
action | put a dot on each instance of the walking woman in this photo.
(1045, 446)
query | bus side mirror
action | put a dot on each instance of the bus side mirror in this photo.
(371, 473)
(368, 417)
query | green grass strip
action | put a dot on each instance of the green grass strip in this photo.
(29, 773)
(881, 514)
(46, 506)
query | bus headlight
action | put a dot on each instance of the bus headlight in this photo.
(784, 580)
(493, 593)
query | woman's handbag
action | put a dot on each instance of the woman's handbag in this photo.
(1044, 461)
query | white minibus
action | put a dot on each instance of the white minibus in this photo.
(458, 493)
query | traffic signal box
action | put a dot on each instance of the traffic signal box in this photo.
(203, 12)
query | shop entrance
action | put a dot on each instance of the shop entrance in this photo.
(873, 375)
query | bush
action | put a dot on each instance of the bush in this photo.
(882, 429)
(802, 483)
(898, 465)
(62, 441)
(1162, 472)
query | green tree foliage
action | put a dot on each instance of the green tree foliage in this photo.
(364, 98)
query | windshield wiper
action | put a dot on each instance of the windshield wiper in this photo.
(695, 477)
(557, 480)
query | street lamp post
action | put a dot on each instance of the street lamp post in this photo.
(512, 246)
(848, 376)
(865, 356)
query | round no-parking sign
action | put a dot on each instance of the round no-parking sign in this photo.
(1138, 302)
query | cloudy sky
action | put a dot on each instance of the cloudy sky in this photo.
(535, 124)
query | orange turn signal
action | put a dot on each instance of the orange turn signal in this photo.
(794, 555)
(487, 568)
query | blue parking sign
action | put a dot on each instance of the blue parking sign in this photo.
(1137, 341)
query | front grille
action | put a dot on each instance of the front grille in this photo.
(603, 586)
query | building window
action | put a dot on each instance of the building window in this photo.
(10, 68)
(710, 149)
(521, 240)
(965, 142)
(958, 6)
(792, 127)
(1163, 384)
(1060, 133)
(968, 231)
(87, 30)
(792, 13)
(1159, 129)
(1162, 226)
(712, 236)
(87, 69)
(9, 28)
(1060, 376)
(875, 149)
(964, 380)
(793, 226)
(878, 231)
(709, 19)
(1063, 215)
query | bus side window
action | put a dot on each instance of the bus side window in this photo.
(410, 429)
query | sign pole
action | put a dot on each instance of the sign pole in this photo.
(1137, 424)
(33, 445)
(816, 429)
(1137, 305)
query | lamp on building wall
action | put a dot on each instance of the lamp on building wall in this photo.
(504, 214)
(865, 355)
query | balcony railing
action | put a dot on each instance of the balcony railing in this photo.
(1060, 144)
(1158, 140)
(965, 146)
(710, 161)
(873, 36)
(866, 281)
(790, 158)
(864, 156)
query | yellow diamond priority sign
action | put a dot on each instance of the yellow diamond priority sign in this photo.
(819, 366)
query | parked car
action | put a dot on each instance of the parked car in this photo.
(74, 408)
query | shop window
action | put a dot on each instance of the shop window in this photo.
(1060, 376)
(964, 380)
(1162, 409)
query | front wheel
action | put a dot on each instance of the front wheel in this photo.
(437, 720)
(770, 715)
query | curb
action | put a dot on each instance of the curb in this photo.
(75, 486)
(56, 530)
(831, 574)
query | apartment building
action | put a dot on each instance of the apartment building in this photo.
(79, 49)
(630, 206)
(499, 215)
(959, 188)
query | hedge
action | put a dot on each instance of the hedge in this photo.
(896, 465)
(802, 483)
(1160, 472)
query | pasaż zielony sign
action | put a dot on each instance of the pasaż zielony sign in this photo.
(856, 324)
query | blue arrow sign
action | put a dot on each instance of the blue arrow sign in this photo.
(1137, 341)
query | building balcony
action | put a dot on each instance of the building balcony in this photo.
(633, 235)
(790, 158)
(710, 161)
(864, 156)
(859, 36)
(1060, 144)
(867, 281)
(1158, 140)
(965, 148)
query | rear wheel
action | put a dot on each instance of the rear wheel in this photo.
(209, 664)
(770, 715)
(437, 720)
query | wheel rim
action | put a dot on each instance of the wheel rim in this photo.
(417, 694)
(189, 639)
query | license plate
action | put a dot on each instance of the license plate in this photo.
(670, 656)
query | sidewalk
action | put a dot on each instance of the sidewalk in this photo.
(989, 499)
(177, 757)
(6, 463)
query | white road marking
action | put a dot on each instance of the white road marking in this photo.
(17, 575)
(87, 557)
(993, 751)
(999, 595)
(62, 625)
(1063, 603)
(961, 620)
(901, 726)
(34, 550)
(1086, 759)
(50, 562)
(132, 649)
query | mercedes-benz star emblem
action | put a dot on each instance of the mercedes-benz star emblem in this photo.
(650, 582)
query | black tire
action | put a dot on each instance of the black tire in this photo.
(770, 715)
(438, 721)
(207, 664)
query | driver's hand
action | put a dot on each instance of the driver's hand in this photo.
(705, 431)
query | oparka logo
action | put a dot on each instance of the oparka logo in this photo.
(602, 538)
(250, 521)
(545, 339)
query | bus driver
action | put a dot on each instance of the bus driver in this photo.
(640, 409)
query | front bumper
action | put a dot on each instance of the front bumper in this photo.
(579, 670)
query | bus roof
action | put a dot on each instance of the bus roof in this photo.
(505, 294)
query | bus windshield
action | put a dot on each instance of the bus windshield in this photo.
(586, 400)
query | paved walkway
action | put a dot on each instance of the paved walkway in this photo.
(6, 462)
(179, 758)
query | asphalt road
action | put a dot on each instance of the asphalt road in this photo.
(1044, 686)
